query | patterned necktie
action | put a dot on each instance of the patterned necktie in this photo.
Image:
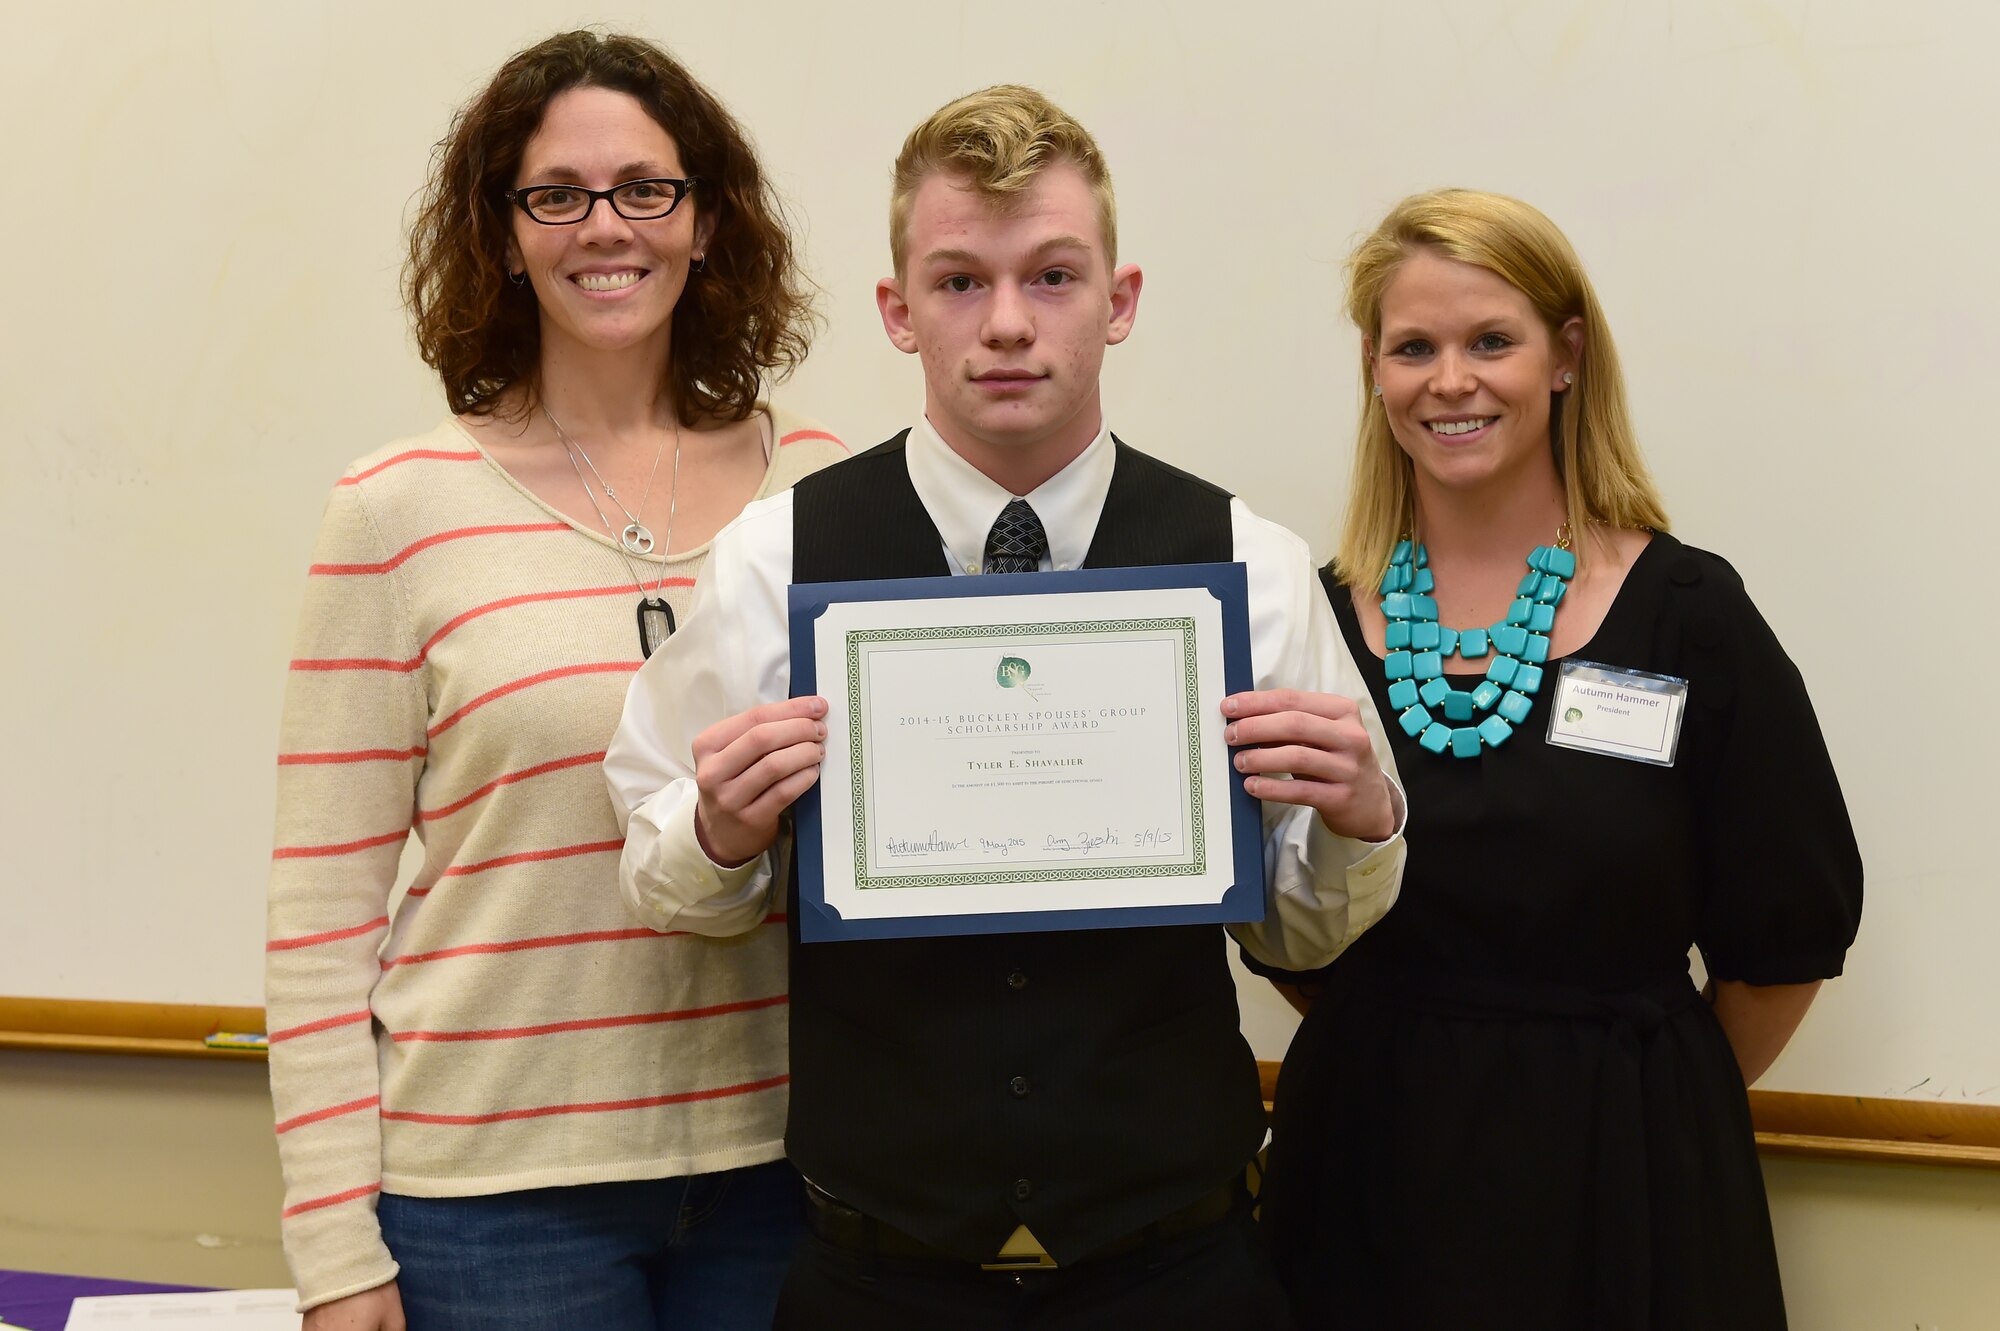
(1017, 542)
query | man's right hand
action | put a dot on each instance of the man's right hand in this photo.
(748, 770)
(377, 1309)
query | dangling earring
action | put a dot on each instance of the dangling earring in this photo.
(698, 264)
(518, 279)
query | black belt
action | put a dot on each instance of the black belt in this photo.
(1639, 1010)
(836, 1223)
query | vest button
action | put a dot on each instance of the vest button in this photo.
(1018, 1086)
(1017, 981)
(1023, 1190)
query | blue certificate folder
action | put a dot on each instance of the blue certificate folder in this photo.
(1244, 900)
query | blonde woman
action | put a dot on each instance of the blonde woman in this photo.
(1508, 1105)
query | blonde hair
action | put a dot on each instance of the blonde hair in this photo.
(1000, 139)
(1596, 453)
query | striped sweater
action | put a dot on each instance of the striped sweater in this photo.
(462, 660)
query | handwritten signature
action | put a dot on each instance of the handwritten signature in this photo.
(1085, 842)
(932, 844)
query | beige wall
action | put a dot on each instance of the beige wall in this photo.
(1882, 1247)
(140, 1168)
(1740, 176)
(160, 1169)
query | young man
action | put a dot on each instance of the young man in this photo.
(1040, 1130)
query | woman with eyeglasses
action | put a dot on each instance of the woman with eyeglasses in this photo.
(1508, 1106)
(503, 1103)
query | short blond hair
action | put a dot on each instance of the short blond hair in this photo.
(998, 139)
(1596, 452)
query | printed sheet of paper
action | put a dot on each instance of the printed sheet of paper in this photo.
(223, 1310)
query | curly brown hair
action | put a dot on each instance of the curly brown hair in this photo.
(748, 313)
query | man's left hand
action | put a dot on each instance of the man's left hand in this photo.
(1316, 739)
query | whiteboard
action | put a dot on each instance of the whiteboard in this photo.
(1787, 206)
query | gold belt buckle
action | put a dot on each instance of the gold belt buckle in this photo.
(1021, 1252)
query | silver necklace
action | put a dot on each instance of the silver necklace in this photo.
(636, 537)
(656, 617)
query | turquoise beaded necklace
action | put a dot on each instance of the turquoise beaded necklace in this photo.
(1418, 646)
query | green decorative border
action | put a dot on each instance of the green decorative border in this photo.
(1184, 625)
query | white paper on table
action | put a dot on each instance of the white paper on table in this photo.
(223, 1310)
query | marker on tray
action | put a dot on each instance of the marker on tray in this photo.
(236, 1040)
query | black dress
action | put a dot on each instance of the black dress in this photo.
(1509, 1107)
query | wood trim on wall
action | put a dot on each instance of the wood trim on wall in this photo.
(1861, 1128)
(1838, 1127)
(174, 1030)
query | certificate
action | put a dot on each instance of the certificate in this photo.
(1025, 752)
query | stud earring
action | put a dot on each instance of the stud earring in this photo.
(1378, 390)
(1568, 378)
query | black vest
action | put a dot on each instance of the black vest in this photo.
(1081, 1083)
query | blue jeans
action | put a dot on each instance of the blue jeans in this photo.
(705, 1253)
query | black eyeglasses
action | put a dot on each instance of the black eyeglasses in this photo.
(635, 200)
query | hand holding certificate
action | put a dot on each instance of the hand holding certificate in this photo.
(749, 768)
(1318, 742)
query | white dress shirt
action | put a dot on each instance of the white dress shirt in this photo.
(734, 652)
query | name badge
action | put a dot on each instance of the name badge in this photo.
(1619, 713)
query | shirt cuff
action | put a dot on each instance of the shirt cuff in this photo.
(1373, 883)
(671, 884)
(1329, 895)
(1376, 877)
(335, 1251)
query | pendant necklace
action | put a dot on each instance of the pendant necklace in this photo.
(1418, 645)
(636, 537)
(655, 616)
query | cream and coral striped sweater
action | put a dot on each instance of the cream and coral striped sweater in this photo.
(462, 660)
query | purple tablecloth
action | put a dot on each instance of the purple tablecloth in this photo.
(41, 1302)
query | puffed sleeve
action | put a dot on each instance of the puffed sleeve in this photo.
(1780, 893)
